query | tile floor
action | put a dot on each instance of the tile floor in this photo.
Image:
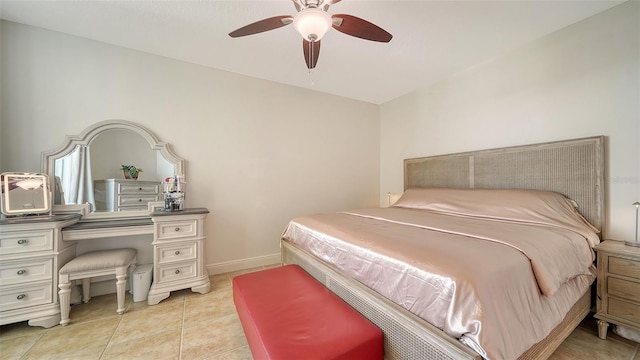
(194, 326)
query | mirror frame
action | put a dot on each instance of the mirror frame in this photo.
(85, 138)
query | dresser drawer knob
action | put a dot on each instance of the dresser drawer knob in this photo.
(22, 241)
(139, 200)
(177, 271)
(22, 272)
(21, 296)
(177, 252)
(140, 189)
(177, 229)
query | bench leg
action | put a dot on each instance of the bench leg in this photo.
(121, 284)
(65, 299)
(86, 290)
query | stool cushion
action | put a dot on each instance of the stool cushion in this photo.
(286, 314)
(102, 259)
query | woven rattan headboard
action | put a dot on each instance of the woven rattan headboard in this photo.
(574, 168)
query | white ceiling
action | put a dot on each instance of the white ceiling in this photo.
(432, 39)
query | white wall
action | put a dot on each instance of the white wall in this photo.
(581, 81)
(258, 153)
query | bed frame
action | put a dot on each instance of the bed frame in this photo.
(574, 168)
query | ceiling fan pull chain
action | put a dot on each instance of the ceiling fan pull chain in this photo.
(311, 56)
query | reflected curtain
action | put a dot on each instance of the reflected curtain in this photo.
(74, 171)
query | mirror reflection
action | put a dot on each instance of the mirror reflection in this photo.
(93, 174)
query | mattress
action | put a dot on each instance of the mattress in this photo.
(498, 283)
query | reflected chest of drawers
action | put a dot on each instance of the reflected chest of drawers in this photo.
(178, 243)
(31, 253)
(123, 194)
(618, 299)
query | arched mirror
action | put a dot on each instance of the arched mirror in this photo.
(113, 169)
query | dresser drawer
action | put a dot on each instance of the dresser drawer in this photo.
(625, 267)
(177, 271)
(26, 241)
(133, 188)
(624, 289)
(136, 200)
(177, 229)
(179, 252)
(12, 297)
(624, 309)
(17, 272)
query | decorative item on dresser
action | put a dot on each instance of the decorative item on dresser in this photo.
(31, 253)
(125, 194)
(178, 240)
(618, 286)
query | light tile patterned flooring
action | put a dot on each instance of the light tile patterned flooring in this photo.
(194, 326)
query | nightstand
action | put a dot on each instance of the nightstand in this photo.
(618, 299)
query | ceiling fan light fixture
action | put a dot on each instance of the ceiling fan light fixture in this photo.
(312, 23)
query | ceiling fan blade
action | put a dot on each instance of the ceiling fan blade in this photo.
(262, 26)
(297, 4)
(360, 28)
(328, 3)
(311, 52)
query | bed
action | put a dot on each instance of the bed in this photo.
(428, 311)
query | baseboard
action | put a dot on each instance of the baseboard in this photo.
(242, 264)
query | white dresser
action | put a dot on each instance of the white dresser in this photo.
(123, 194)
(178, 242)
(31, 253)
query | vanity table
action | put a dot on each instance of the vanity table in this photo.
(31, 253)
(177, 237)
(178, 243)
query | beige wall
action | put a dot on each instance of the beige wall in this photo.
(258, 153)
(581, 81)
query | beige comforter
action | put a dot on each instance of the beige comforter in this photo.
(499, 286)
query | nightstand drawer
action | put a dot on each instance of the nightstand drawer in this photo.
(624, 289)
(624, 309)
(624, 267)
(16, 272)
(25, 241)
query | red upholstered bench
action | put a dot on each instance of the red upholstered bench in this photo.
(286, 314)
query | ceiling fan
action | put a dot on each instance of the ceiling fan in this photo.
(312, 21)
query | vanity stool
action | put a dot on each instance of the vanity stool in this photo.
(97, 263)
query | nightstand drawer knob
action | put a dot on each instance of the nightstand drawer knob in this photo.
(21, 296)
(177, 252)
(177, 271)
(22, 241)
(22, 272)
(177, 229)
